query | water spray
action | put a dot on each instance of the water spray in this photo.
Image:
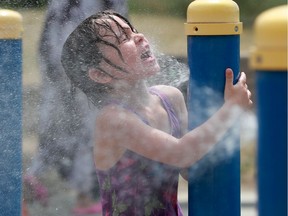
(10, 112)
(213, 35)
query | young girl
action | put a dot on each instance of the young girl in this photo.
(65, 124)
(141, 142)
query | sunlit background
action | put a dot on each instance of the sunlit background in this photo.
(162, 21)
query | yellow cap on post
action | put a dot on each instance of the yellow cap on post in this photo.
(270, 35)
(213, 17)
(10, 24)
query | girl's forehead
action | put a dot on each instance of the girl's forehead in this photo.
(116, 22)
(112, 25)
(120, 21)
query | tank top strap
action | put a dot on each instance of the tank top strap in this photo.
(174, 121)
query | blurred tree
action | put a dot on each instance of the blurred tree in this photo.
(249, 10)
(23, 3)
(169, 7)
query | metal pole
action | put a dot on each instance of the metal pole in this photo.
(213, 35)
(10, 113)
(269, 59)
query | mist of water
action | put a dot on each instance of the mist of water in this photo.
(243, 133)
(173, 72)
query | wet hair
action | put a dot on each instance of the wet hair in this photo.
(81, 53)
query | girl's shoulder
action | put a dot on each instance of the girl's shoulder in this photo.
(168, 90)
(110, 112)
(173, 93)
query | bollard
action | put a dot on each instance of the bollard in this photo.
(269, 60)
(213, 36)
(10, 112)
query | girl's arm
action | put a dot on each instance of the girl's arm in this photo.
(120, 129)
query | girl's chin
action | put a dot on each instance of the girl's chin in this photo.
(155, 67)
(153, 70)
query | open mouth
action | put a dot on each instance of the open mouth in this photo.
(146, 55)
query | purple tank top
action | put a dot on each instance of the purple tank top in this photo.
(138, 186)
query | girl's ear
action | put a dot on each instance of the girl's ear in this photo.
(99, 76)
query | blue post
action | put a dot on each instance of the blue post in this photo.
(213, 31)
(269, 59)
(10, 113)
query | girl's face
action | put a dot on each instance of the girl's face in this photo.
(137, 61)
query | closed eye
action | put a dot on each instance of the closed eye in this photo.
(126, 34)
(123, 38)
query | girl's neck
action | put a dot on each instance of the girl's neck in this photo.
(136, 96)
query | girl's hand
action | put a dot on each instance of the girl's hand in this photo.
(238, 94)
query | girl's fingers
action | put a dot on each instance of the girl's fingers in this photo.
(249, 94)
(229, 77)
(242, 78)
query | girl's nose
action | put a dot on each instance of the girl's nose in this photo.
(138, 37)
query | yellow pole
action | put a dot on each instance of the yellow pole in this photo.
(10, 24)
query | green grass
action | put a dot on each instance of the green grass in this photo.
(162, 7)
